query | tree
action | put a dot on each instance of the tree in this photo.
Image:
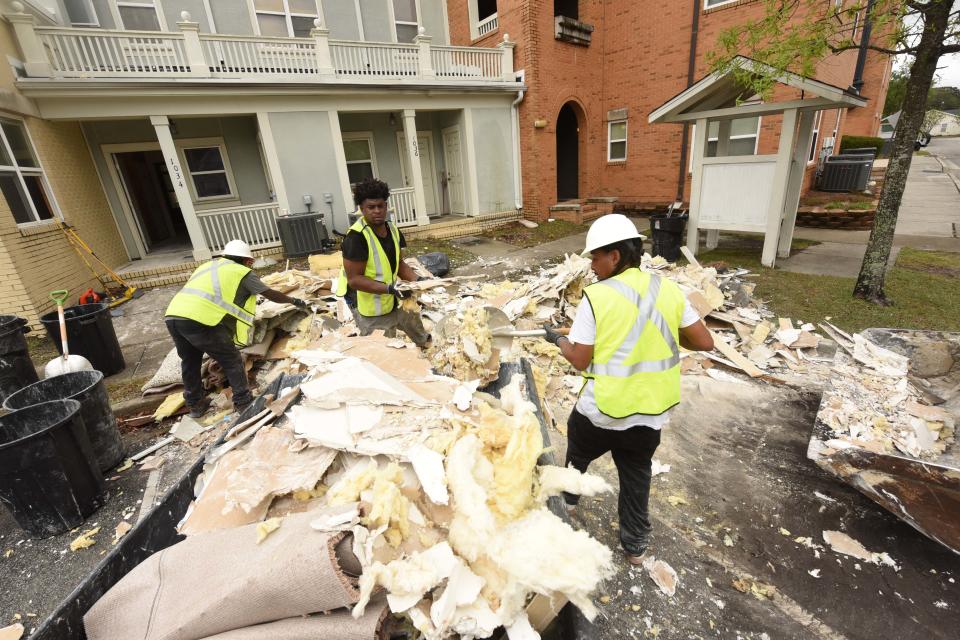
(796, 35)
(944, 98)
(898, 86)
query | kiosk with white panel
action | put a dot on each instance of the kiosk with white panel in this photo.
(750, 193)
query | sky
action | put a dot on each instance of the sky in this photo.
(949, 75)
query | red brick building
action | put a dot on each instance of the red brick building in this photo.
(595, 69)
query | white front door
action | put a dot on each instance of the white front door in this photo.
(454, 162)
(427, 168)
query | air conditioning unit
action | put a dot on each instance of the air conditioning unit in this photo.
(302, 234)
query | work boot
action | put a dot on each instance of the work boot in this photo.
(240, 408)
(637, 560)
(200, 408)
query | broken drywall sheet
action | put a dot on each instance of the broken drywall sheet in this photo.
(662, 575)
(842, 543)
(463, 587)
(428, 465)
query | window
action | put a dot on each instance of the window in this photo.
(209, 171)
(744, 136)
(707, 4)
(817, 119)
(566, 8)
(285, 18)
(486, 8)
(361, 161)
(81, 13)
(139, 15)
(21, 177)
(616, 140)
(405, 17)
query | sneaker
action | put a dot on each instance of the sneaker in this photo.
(637, 560)
(198, 410)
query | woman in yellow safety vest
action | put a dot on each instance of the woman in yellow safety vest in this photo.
(626, 340)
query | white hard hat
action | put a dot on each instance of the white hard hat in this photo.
(609, 229)
(237, 249)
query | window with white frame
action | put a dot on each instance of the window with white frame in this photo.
(81, 13)
(209, 170)
(707, 4)
(139, 15)
(616, 140)
(406, 19)
(22, 181)
(285, 18)
(361, 161)
(817, 120)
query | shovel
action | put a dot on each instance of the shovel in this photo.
(65, 363)
(503, 332)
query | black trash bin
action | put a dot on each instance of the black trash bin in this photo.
(666, 234)
(16, 367)
(90, 334)
(87, 388)
(48, 474)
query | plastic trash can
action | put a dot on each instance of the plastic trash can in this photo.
(666, 234)
(90, 334)
(48, 474)
(16, 367)
(87, 388)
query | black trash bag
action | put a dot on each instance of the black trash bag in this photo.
(436, 263)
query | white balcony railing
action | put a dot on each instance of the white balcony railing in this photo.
(239, 56)
(466, 62)
(88, 53)
(402, 204)
(255, 224)
(57, 52)
(488, 25)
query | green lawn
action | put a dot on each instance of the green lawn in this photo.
(458, 256)
(520, 236)
(924, 285)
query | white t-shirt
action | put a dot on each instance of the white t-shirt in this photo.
(584, 331)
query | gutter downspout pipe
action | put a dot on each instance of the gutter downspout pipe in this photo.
(862, 54)
(691, 69)
(515, 134)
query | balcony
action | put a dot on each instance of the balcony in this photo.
(71, 53)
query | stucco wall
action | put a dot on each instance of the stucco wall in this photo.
(307, 134)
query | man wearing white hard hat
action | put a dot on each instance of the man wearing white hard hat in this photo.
(626, 340)
(213, 314)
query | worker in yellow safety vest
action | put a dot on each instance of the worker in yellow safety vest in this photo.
(626, 340)
(373, 266)
(213, 314)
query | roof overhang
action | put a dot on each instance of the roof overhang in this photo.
(719, 96)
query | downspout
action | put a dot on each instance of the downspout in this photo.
(515, 133)
(862, 54)
(691, 69)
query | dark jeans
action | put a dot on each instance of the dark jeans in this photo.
(632, 452)
(192, 340)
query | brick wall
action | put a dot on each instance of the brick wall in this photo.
(637, 60)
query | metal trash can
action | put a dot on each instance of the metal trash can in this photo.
(90, 334)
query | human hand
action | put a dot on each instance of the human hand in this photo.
(300, 303)
(401, 294)
(552, 336)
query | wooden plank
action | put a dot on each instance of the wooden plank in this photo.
(735, 357)
(692, 259)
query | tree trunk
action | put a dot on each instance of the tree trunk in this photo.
(874, 268)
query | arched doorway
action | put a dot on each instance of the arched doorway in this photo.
(568, 154)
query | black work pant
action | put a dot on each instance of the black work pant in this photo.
(192, 340)
(632, 451)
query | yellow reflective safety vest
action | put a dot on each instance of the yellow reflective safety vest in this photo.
(636, 356)
(378, 268)
(209, 294)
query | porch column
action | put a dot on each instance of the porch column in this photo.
(413, 165)
(723, 150)
(471, 186)
(273, 161)
(192, 46)
(778, 198)
(798, 167)
(35, 61)
(699, 151)
(200, 249)
(336, 138)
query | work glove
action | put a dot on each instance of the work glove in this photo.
(552, 336)
(300, 303)
(401, 295)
